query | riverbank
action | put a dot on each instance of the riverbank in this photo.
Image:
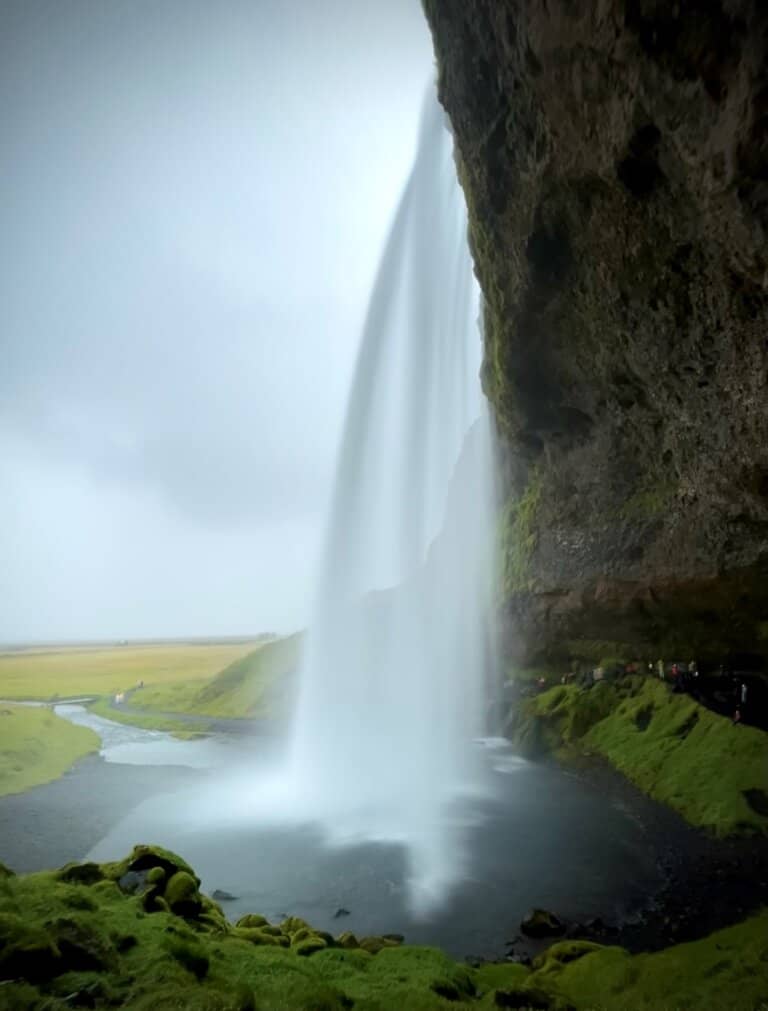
(675, 750)
(37, 746)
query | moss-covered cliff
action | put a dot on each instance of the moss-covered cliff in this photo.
(614, 157)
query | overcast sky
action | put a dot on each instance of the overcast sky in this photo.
(193, 198)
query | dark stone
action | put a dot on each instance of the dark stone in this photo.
(341, 912)
(542, 923)
(219, 895)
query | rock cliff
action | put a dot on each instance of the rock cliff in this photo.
(614, 157)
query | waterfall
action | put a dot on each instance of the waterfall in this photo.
(392, 684)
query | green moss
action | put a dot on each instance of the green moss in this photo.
(114, 955)
(725, 970)
(675, 750)
(518, 537)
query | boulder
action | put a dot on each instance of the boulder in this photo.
(347, 940)
(182, 895)
(541, 923)
(253, 920)
(309, 946)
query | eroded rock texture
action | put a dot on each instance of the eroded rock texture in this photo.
(615, 161)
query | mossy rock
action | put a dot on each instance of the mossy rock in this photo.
(297, 936)
(373, 945)
(268, 928)
(293, 923)
(144, 858)
(156, 875)
(6, 872)
(255, 935)
(309, 946)
(80, 874)
(347, 940)
(254, 920)
(182, 895)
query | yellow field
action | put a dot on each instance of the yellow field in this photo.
(100, 671)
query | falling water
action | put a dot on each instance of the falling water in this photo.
(393, 678)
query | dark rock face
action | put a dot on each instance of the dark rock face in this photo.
(614, 157)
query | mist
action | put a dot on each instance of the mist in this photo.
(193, 206)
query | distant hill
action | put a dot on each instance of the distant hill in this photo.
(258, 684)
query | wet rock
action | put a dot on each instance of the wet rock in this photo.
(341, 912)
(542, 923)
(133, 882)
(222, 896)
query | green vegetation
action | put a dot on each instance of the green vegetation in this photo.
(253, 685)
(33, 674)
(675, 750)
(37, 746)
(104, 708)
(518, 537)
(139, 934)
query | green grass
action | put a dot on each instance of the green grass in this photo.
(73, 938)
(675, 750)
(34, 674)
(103, 707)
(725, 970)
(36, 746)
(252, 685)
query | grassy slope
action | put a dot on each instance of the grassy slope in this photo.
(675, 750)
(37, 746)
(250, 686)
(43, 675)
(103, 707)
(59, 938)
